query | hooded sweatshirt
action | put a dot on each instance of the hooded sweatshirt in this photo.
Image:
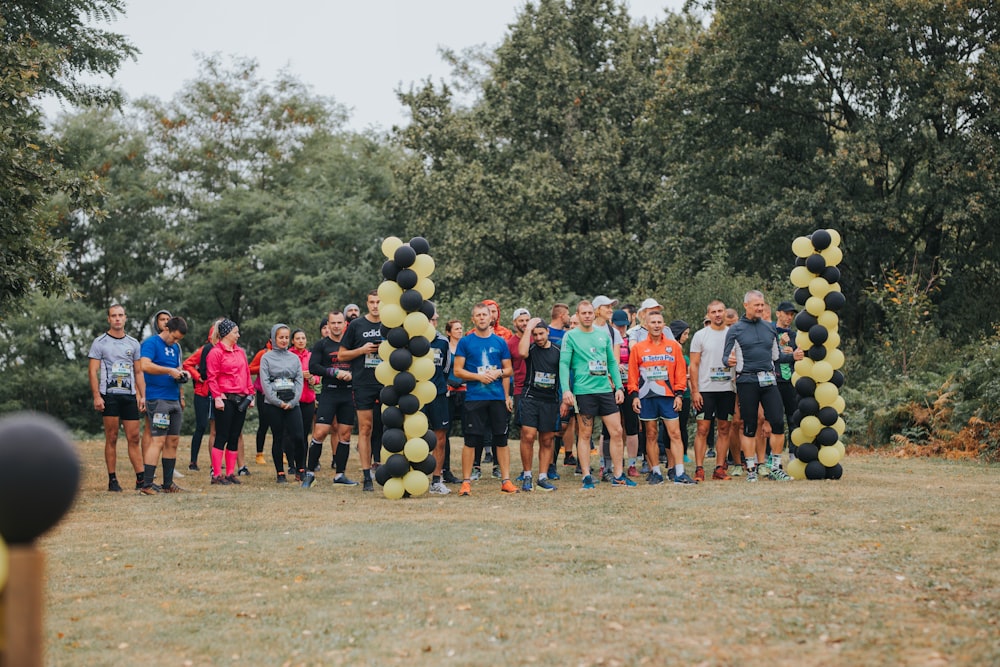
(280, 373)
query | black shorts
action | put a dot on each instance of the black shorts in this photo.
(482, 417)
(337, 404)
(596, 405)
(366, 398)
(122, 406)
(164, 417)
(438, 413)
(717, 405)
(542, 416)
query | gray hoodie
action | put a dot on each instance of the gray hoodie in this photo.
(280, 373)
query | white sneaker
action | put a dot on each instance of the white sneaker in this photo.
(440, 489)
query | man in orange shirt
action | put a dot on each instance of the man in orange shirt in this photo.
(657, 378)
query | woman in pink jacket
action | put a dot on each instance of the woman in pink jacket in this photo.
(232, 390)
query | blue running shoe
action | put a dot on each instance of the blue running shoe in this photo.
(654, 478)
(553, 474)
(683, 478)
(588, 482)
(526, 484)
(546, 485)
(622, 481)
(308, 480)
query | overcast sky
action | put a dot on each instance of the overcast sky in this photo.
(355, 52)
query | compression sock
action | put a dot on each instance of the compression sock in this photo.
(340, 456)
(368, 474)
(147, 475)
(315, 451)
(231, 455)
(216, 461)
(168, 472)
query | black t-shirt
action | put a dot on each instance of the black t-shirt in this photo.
(542, 379)
(360, 332)
(325, 354)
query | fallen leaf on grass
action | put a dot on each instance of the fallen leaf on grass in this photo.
(376, 568)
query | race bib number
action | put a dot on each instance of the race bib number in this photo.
(719, 374)
(161, 420)
(765, 378)
(486, 369)
(438, 357)
(284, 384)
(371, 360)
(545, 380)
(658, 373)
(598, 367)
(623, 371)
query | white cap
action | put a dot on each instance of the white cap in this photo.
(603, 301)
(521, 311)
(650, 303)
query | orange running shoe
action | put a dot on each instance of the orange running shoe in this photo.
(721, 474)
(508, 487)
(699, 474)
(466, 489)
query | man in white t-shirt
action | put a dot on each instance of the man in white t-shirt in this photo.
(712, 390)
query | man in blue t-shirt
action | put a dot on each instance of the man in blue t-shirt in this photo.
(482, 359)
(161, 367)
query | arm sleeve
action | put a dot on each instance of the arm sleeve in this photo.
(565, 358)
(264, 374)
(678, 379)
(316, 366)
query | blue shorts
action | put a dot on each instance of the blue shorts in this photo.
(438, 413)
(652, 408)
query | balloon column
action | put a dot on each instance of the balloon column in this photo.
(406, 368)
(817, 377)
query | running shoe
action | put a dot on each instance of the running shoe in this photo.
(687, 459)
(244, 471)
(368, 486)
(579, 470)
(438, 488)
(699, 474)
(671, 474)
(721, 474)
(496, 472)
(220, 479)
(466, 489)
(552, 472)
(588, 482)
(308, 480)
(735, 471)
(193, 466)
(632, 472)
(570, 460)
(779, 475)
(546, 485)
(526, 484)
(487, 457)
(260, 459)
(508, 487)
(645, 469)
(148, 491)
(607, 475)
(763, 471)
(282, 479)
(683, 478)
(752, 475)
(114, 486)
(173, 488)
(654, 478)
(622, 481)
(710, 453)
(344, 480)
(448, 478)
(233, 479)
(477, 474)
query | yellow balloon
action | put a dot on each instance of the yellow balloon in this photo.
(814, 304)
(431, 333)
(4, 563)
(423, 265)
(796, 468)
(832, 255)
(842, 448)
(835, 287)
(840, 426)
(795, 378)
(415, 425)
(811, 426)
(826, 393)
(415, 323)
(390, 245)
(803, 341)
(832, 341)
(829, 320)
(426, 287)
(802, 247)
(819, 287)
(425, 392)
(384, 350)
(804, 367)
(385, 454)
(416, 483)
(416, 450)
(834, 237)
(422, 367)
(389, 292)
(798, 437)
(392, 315)
(839, 405)
(385, 373)
(394, 488)
(836, 359)
(822, 371)
(801, 276)
(829, 456)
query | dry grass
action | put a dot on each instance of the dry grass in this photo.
(895, 564)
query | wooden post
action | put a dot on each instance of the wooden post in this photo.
(21, 604)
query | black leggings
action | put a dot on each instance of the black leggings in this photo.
(229, 425)
(263, 425)
(202, 406)
(308, 411)
(284, 423)
(750, 395)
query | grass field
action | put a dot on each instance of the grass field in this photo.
(896, 564)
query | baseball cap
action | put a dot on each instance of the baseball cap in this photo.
(619, 318)
(603, 301)
(787, 307)
(521, 311)
(650, 303)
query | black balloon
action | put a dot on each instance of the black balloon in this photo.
(807, 452)
(394, 439)
(428, 308)
(426, 466)
(411, 300)
(388, 396)
(805, 321)
(407, 278)
(817, 353)
(827, 436)
(400, 360)
(831, 274)
(419, 346)
(382, 475)
(816, 263)
(834, 301)
(795, 419)
(409, 404)
(808, 406)
(404, 383)
(800, 261)
(821, 239)
(398, 337)
(420, 245)
(397, 464)
(835, 472)
(815, 470)
(837, 379)
(404, 256)
(390, 270)
(801, 295)
(828, 416)
(39, 475)
(805, 386)
(818, 334)
(431, 439)
(392, 417)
